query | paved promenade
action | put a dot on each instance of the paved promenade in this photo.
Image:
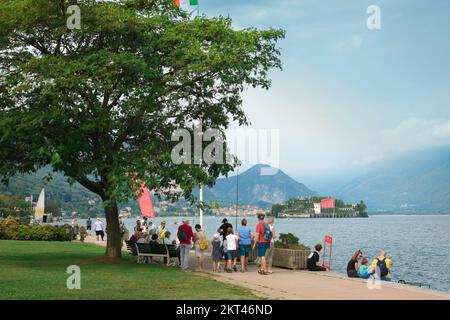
(304, 285)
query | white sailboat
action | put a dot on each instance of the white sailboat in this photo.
(40, 207)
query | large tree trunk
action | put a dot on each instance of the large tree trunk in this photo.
(114, 240)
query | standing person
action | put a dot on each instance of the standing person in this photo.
(224, 227)
(185, 235)
(263, 237)
(313, 262)
(144, 225)
(216, 252)
(99, 229)
(232, 243)
(200, 245)
(352, 265)
(75, 228)
(270, 250)
(382, 265)
(138, 225)
(161, 231)
(223, 232)
(245, 236)
(88, 224)
(151, 228)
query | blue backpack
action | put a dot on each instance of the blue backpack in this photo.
(384, 271)
(267, 233)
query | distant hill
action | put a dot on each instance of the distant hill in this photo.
(256, 189)
(417, 182)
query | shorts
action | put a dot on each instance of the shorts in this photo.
(99, 233)
(88, 228)
(262, 248)
(244, 250)
(198, 251)
(231, 254)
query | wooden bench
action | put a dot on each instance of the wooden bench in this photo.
(152, 249)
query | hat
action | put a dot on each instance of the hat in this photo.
(224, 220)
(164, 221)
(216, 236)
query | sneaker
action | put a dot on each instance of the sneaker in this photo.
(229, 270)
(235, 268)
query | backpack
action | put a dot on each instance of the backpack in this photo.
(182, 235)
(381, 264)
(267, 235)
(204, 244)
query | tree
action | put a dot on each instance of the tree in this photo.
(100, 103)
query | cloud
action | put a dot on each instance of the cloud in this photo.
(354, 41)
(410, 135)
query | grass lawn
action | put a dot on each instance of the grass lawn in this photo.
(37, 270)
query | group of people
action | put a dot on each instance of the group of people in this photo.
(146, 232)
(358, 266)
(226, 244)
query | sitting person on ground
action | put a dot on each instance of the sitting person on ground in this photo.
(364, 272)
(382, 265)
(352, 266)
(313, 262)
(216, 252)
(232, 243)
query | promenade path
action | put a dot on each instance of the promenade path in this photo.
(304, 285)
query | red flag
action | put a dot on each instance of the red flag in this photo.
(327, 203)
(145, 201)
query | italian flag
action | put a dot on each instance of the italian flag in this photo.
(185, 3)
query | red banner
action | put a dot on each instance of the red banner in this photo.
(145, 201)
(327, 203)
(327, 246)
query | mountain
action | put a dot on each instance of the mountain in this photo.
(257, 189)
(415, 182)
(254, 189)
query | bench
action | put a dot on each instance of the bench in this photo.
(152, 249)
(131, 248)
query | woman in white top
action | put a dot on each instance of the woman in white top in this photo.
(99, 229)
(231, 243)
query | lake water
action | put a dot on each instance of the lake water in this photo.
(419, 246)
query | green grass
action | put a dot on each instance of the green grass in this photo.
(37, 270)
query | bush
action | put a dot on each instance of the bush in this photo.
(13, 229)
(289, 241)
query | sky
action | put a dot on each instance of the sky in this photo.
(347, 96)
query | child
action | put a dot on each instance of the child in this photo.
(231, 246)
(364, 272)
(216, 252)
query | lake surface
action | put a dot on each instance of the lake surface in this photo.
(419, 246)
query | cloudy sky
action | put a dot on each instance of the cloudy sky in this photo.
(349, 96)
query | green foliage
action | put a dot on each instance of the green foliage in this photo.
(98, 102)
(289, 241)
(12, 229)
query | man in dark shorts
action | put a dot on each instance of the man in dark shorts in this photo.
(88, 224)
(223, 232)
(314, 258)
